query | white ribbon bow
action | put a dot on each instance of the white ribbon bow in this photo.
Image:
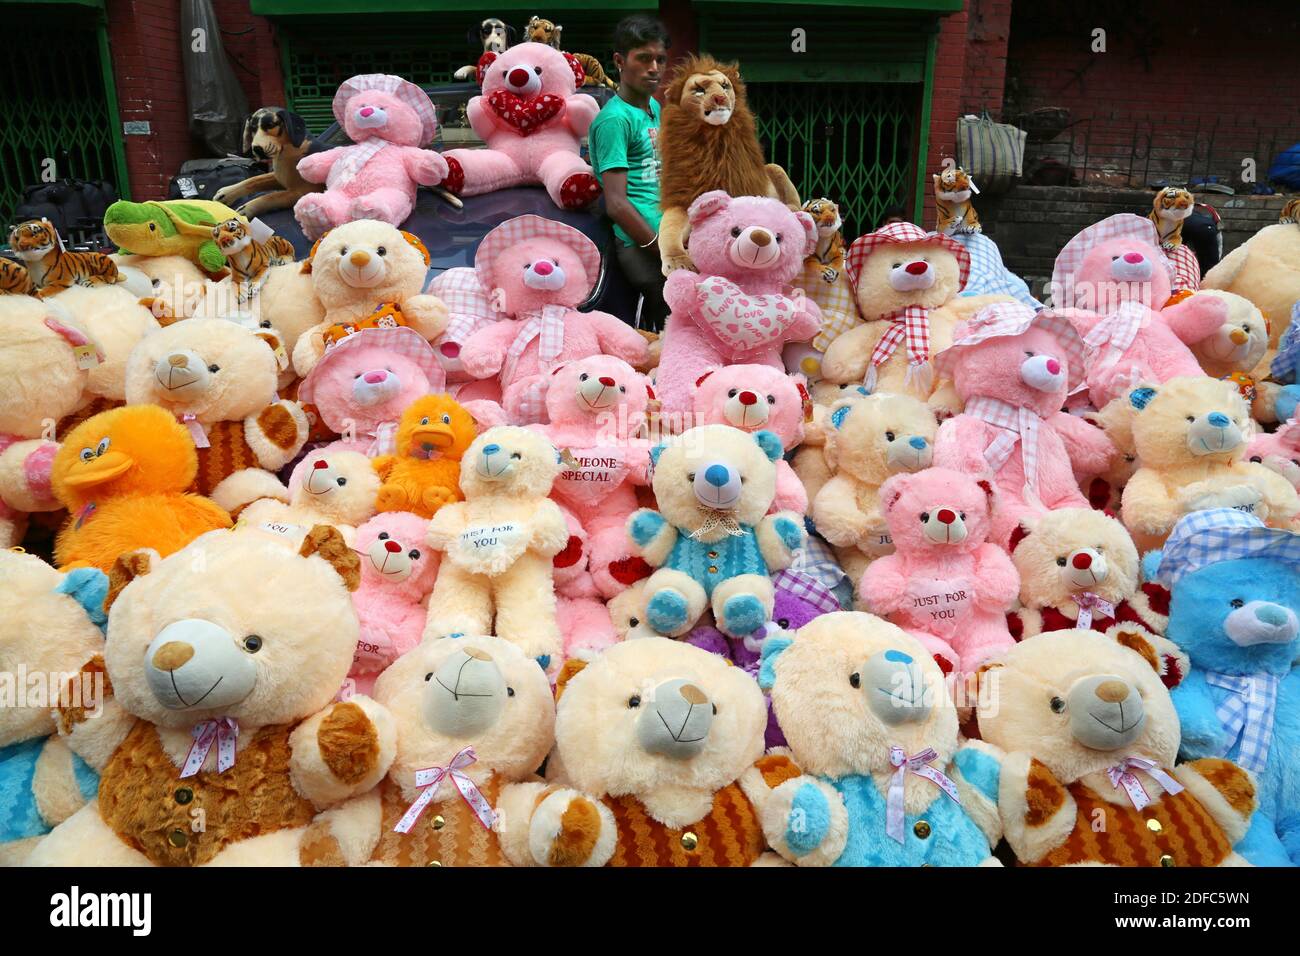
(1122, 775)
(718, 519)
(915, 764)
(431, 779)
(1089, 602)
(196, 429)
(224, 731)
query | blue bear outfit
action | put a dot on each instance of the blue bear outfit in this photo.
(710, 562)
(19, 816)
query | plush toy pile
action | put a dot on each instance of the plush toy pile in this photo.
(906, 568)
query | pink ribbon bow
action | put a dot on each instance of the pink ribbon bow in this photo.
(1089, 602)
(547, 326)
(915, 764)
(913, 324)
(196, 429)
(224, 731)
(1122, 775)
(431, 779)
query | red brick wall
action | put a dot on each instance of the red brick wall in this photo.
(251, 46)
(988, 29)
(945, 103)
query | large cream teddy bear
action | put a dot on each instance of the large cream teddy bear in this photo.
(228, 653)
(1084, 730)
(1190, 439)
(498, 544)
(1239, 350)
(1265, 270)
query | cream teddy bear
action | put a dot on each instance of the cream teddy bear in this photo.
(336, 488)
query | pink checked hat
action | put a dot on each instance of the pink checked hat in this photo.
(404, 90)
(1122, 225)
(401, 340)
(901, 232)
(1012, 318)
(521, 229)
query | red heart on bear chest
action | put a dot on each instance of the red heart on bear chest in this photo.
(525, 116)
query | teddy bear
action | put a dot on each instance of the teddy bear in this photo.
(230, 685)
(397, 573)
(739, 308)
(1266, 270)
(1190, 443)
(218, 379)
(1079, 569)
(1233, 609)
(475, 719)
(711, 541)
(868, 439)
(906, 282)
(946, 584)
(1279, 452)
(1011, 428)
(469, 309)
(580, 610)
(627, 613)
(596, 408)
(1239, 351)
(498, 544)
(536, 272)
(531, 118)
(873, 728)
(52, 626)
(336, 488)
(116, 322)
(1105, 488)
(389, 120)
(1113, 282)
(754, 397)
(664, 742)
(809, 459)
(1084, 735)
(422, 473)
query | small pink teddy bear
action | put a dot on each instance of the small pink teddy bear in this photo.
(389, 119)
(1279, 452)
(739, 308)
(536, 272)
(756, 397)
(584, 620)
(597, 408)
(945, 583)
(397, 573)
(532, 118)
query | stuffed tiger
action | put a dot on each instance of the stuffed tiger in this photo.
(1291, 212)
(1170, 210)
(249, 259)
(14, 278)
(954, 212)
(830, 240)
(544, 31)
(51, 267)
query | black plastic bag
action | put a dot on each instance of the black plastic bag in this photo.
(216, 101)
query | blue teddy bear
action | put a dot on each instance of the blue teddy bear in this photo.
(1235, 592)
(712, 541)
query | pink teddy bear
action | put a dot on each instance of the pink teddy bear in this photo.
(739, 308)
(1279, 452)
(756, 397)
(389, 119)
(596, 408)
(584, 620)
(1013, 368)
(945, 583)
(1113, 281)
(397, 573)
(536, 272)
(532, 118)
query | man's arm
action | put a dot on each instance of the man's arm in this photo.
(619, 208)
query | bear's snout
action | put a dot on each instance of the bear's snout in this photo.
(944, 525)
(1042, 372)
(376, 386)
(909, 453)
(524, 80)
(390, 559)
(371, 117)
(717, 486)
(493, 461)
(194, 663)
(912, 276)
(1084, 568)
(544, 276)
(1261, 622)
(322, 479)
(362, 268)
(598, 391)
(755, 248)
(1131, 267)
(1214, 434)
(1105, 711)
(675, 721)
(182, 373)
(895, 687)
(465, 695)
(746, 409)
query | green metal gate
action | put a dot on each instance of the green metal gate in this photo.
(60, 102)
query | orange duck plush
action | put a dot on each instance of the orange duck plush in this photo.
(122, 475)
(424, 474)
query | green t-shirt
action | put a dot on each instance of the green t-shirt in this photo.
(624, 137)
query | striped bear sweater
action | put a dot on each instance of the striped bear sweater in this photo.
(712, 562)
(268, 440)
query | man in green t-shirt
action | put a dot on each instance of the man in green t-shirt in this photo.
(622, 142)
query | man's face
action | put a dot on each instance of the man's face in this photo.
(641, 68)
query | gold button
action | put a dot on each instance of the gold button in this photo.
(1166, 860)
(184, 795)
(435, 863)
(439, 822)
(713, 554)
(1154, 826)
(713, 569)
(689, 840)
(178, 838)
(922, 829)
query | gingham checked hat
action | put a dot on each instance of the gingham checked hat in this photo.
(1207, 537)
(461, 292)
(521, 229)
(402, 340)
(901, 232)
(1122, 225)
(404, 90)
(1011, 318)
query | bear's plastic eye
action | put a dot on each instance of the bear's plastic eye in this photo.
(783, 623)
(252, 643)
(583, 377)
(446, 419)
(634, 700)
(1060, 562)
(425, 420)
(690, 476)
(1130, 458)
(732, 393)
(382, 251)
(1057, 705)
(515, 455)
(622, 388)
(343, 251)
(1237, 602)
(428, 676)
(510, 692)
(735, 231)
(1113, 258)
(896, 265)
(771, 400)
(890, 436)
(925, 516)
(102, 446)
(537, 70)
(1191, 418)
(214, 368)
(383, 536)
(778, 238)
(1029, 354)
(855, 680)
(342, 482)
(1256, 459)
(87, 454)
(414, 554)
(715, 709)
(962, 514)
(634, 622)
(503, 72)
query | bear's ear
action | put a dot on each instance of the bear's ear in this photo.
(571, 667)
(709, 204)
(1151, 565)
(1141, 642)
(700, 381)
(809, 232)
(656, 451)
(892, 490)
(327, 542)
(771, 444)
(272, 340)
(776, 642)
(1019, 533)
(126, 569)
(839, 414)
(1140, 398)
(556, 370)
(649, 391)
(89, 588)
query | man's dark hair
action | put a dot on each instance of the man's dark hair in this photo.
(638, 30)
